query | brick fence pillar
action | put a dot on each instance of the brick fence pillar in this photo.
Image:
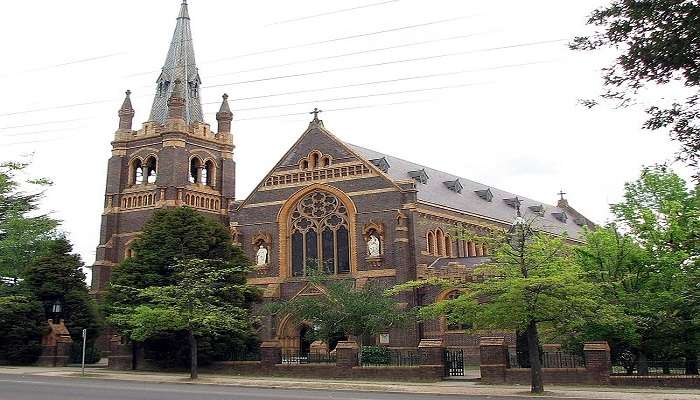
(597, 356)
(346, 354)
(270, 353)
(431, 352)
(55, 346)
(121, 355)
(493, 353)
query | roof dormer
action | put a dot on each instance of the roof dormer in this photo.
(455, 185)
(381, 163)
(485, 194)
(419, 176)
(560, 215)
(537, 209)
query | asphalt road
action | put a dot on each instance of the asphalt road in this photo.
(18, 387)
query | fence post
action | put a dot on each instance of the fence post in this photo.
(597, 355)
(121, 355)
(493, 354)
(270, 353)
(346, 353)
(431, 352)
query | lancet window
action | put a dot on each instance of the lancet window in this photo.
(320, 236)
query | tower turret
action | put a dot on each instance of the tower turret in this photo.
(126, 113)
(224, 116)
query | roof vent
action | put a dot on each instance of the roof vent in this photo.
(580, 221)
(537, 209)
(381, 163)
(561, 216)
(485, 194)
(513, 201)
(419, 176)
(455, 185)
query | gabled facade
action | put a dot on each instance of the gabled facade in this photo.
(370, 217)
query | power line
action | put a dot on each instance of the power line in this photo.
(386, 63)
(335, 109)
(64, 64)
(383, 81)
(297, 46)
(351, 54)
(363, 96)
(332, 12)
(2, 128)
(38, 132)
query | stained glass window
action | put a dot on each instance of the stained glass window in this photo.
(321, 214)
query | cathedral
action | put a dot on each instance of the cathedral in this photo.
(355, 213)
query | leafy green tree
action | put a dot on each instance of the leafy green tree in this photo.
(658, 44)
(23, 230)
(170, 237)
(345, 309)
(56, 274)
(530, 284)
(652, 268)
(22, 324)
(208, 299)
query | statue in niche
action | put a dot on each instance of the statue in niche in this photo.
(373, 246)
(261, 256)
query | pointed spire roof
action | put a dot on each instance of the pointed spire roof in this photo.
(179, 64)
(224, 105)
(126, 105)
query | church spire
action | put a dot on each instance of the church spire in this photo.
(179, 64)
(224, 116)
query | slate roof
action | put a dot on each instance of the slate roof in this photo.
(436, 192)
(179, 64)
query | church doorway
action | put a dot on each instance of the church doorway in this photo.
(305, 339)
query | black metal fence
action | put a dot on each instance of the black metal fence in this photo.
(652, 367)
(550, 359)
(393, 358)
(241, 356)
(299, 357)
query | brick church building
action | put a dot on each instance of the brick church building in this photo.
(357, 213)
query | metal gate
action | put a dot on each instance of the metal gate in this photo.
(454, 362)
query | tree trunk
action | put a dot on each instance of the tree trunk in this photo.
(691, 362)
(533, 347)
(193, 356)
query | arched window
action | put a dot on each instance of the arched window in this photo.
(208, 173)
(440, 239)
(150, 170)
(453, 326)
(320, 235)
(195, 170)
(431, 242)
(448, 246)
(137, 172)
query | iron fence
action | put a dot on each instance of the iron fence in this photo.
(550, 359)
(240, 356)
(300, 357)
(394, 358)
(653, 367)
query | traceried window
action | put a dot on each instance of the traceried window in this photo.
(319, 235)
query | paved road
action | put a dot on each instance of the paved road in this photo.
(18, 387)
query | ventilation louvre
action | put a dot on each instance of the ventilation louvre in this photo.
(537, 209)
(560, 215)
(420, 176)
(455, 185)
(485, 194)
(381, 163)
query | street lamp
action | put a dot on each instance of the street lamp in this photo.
(56, 309)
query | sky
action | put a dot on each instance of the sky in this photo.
(487, 90)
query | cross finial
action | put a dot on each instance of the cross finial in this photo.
(561, 194)
(128, 93)
(315, 112)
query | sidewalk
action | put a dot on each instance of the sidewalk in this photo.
(444, 387)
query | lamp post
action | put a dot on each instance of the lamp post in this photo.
(56, 309)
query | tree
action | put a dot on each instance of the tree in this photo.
(344, 309)
(56, 274)
(23, 231)
(530, 283)
(22, 325)
(649, 263)
(659, 43)
(170, 237)
(209, 299)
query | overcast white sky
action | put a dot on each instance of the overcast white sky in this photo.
(518, 128)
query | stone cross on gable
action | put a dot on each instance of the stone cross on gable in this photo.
(561, 194)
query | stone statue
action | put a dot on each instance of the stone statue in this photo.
(373, 249)
(261, 256)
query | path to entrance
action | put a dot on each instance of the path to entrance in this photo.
(23, 383)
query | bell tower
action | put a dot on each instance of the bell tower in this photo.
(174, 160)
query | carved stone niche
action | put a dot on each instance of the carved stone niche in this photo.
(262, 246)
(374, 231)
(233, 229)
